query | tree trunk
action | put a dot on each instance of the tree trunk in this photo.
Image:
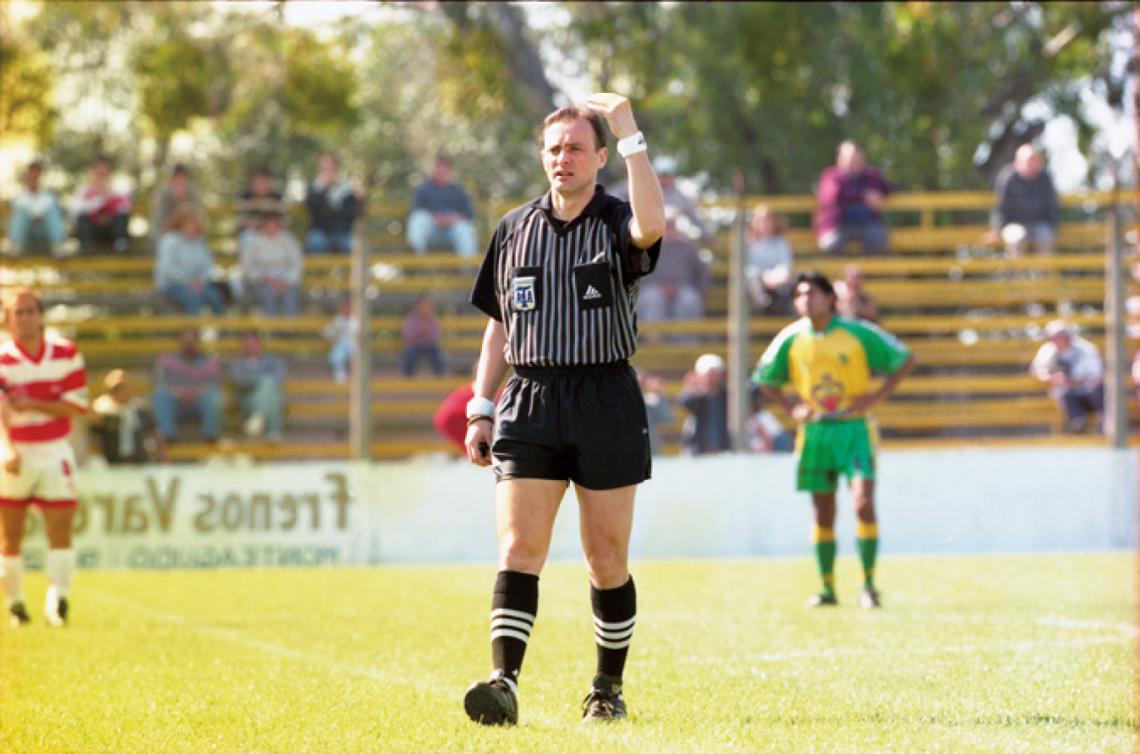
(522, 58)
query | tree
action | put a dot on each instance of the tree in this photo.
(174, 78)
(940, 94)
(27, 82)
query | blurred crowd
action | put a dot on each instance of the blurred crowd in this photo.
(186, 395)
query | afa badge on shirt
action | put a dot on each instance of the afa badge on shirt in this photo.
(523, 297)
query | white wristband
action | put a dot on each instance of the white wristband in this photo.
(631, 145)
(479, 406)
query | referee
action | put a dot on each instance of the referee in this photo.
(559, 283)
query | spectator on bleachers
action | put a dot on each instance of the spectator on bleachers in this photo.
(851, 297)
(187, 386)
(342, 332)
(259, 381)
(36, 219)
(1072, 368)
(184, 265)
(677, 288)
(178, 192)
(766, 434)
(256, 200)
(101, 213)
(123, 425)
(768, 266)
(1025, 212)
(334, 204)
(442, 215)
(658, 408)
(422, 332)
(272, 266)
(851, 195)
(705, 396)
(685, 209)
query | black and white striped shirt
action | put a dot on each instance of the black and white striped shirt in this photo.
(566, 293)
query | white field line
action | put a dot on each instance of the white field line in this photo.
(1026, 645)
(1057, 621)
(1129, 630)
(238, 638)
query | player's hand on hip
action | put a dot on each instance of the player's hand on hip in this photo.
(478, 442)
(802, 412)
(616, 110)
(12, 464)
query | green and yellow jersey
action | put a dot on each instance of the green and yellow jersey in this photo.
(829, 367)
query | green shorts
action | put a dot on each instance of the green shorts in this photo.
(828, 449)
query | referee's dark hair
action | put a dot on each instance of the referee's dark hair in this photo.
(573, 112)
(819, 280)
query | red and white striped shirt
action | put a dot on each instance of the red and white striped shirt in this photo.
(56, 373)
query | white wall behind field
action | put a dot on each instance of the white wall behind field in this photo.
(928, 502)
(950, 501)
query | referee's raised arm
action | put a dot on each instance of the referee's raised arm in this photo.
(645, 197)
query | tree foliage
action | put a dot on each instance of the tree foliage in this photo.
(26, 84)
(939, 93)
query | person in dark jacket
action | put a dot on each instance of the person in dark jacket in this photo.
(334, 204)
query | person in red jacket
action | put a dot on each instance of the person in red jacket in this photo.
(451, 417)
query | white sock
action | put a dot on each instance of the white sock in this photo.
(13, 575)
(60, 565)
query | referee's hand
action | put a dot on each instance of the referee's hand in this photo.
(616, 110)
(478, 442)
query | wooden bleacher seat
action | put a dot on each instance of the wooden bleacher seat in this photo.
(965, 310)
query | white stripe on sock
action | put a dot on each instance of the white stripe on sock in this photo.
(614, 626)
(613, 644)
(510, 634)
(505, 612)
(614, 635)
(508, 623)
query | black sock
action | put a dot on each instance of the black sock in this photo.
(513, 607)
(615, 611)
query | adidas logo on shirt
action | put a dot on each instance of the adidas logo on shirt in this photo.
(591, 293)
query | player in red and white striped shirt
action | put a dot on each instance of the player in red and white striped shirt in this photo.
(43, 384)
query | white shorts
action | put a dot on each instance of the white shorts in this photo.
(46, 478)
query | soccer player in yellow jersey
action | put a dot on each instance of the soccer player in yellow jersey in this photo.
(829, 361)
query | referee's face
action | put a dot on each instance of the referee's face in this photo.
(570, 156)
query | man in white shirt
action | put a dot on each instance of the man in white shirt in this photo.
(1073, 369)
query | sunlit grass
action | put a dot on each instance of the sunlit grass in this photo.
(1017, 653)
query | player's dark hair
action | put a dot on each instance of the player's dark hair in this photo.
(571, 113)
(819, 280)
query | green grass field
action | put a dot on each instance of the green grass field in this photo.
(985, 654)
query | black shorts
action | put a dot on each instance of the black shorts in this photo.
(582, 424)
